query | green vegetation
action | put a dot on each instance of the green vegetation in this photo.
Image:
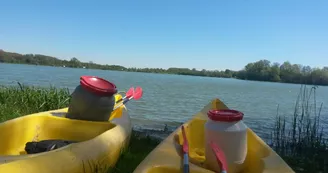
(299, 139)
(21, 100)
(262, 70)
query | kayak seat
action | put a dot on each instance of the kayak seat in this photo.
(45, 145)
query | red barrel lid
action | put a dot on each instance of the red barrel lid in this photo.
(98, 85)
(226, 115)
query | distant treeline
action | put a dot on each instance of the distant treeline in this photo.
(262, 70)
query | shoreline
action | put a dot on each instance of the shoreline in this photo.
(280, 82)
(262, 70)
(179, 75)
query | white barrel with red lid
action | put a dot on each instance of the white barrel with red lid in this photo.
(226, 128)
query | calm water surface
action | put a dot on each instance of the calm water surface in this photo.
(173, 99)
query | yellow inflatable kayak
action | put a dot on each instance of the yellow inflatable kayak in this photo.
(167, 156)
(98, 145)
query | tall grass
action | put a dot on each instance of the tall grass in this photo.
(21, 100)
(299, 138)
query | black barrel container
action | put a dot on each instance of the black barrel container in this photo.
(92, 100)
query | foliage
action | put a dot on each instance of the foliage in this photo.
(290, 73)
(261, 70)
(299, 139)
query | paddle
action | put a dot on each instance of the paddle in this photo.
(128, 94)
(220, 157)
(185, 149)
(137, 94)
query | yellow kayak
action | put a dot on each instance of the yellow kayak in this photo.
(167, 156)
(97, 149)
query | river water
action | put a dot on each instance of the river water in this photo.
(173, 99)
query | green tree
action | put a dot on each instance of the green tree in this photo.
(275, 72)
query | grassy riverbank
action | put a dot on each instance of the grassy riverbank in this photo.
(21, 100)
(298, 139)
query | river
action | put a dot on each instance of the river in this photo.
(173, 99)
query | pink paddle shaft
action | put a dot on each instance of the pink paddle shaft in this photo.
(128, 94)
(137, 94)
(220, 157)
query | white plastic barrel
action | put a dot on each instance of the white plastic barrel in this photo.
(227, 130)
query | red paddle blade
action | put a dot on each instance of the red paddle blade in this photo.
(137, 93)
(220, 157)
(130, 92)
(185, 147)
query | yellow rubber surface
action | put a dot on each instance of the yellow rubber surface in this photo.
(167, 156)
(99, 146)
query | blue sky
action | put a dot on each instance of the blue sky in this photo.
(213, 34)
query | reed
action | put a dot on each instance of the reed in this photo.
(299, 139)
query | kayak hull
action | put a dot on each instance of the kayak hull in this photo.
(167, 156)
(98, 147)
